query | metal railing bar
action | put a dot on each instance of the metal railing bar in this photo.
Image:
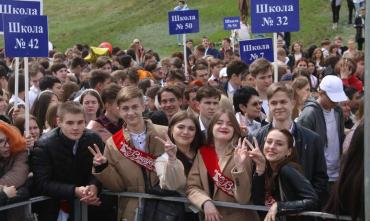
(223, 204)
(30, 201)
(81, 209)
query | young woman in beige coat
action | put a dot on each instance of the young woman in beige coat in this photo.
(222, 171)
(183, 140)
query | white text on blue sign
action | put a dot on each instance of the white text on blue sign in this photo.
(251, 50)
(182, 22)
(25, 36)
(275, 16)
(22, 8)
(231, 23)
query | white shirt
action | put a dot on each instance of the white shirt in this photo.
(212, 78)
(332, 151)
(139, 140)
(325, 52)
(33, 93)
(202, 127)
(252, 125)
(313, 81)
(265, 106)
(14, 99)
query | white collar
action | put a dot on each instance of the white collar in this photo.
(230, 88)
(202, 127)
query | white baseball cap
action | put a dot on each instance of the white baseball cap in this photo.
(333, 86)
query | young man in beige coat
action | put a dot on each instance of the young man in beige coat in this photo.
(127, 164)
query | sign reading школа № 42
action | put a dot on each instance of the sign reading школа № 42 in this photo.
(25, 36)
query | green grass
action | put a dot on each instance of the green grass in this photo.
(120, 21)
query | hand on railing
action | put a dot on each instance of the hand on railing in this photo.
(88, 195)
(10, 191)
(210, 212)
(271, 215)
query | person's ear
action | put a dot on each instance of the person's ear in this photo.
(289, 152)
(242, 107)
(59, 121)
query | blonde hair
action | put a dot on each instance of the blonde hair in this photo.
(128, 93)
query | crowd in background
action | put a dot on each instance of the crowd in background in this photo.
(128, 120)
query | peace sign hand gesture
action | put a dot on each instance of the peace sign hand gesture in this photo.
(169, 147)
(241, 155)
(256, 155)
(98, 159)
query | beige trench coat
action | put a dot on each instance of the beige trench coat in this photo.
(123, 175)
(198, 187)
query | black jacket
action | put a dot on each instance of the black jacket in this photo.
(298, 193)
(57, 171)
(310, 154)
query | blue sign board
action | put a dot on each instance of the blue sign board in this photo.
(25, 36)
(21, 8)
(274, 16)
(250, 50)
(231, 23)
(182, 22)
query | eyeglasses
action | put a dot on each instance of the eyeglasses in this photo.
(256, 103)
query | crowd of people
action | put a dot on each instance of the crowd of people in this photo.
(127, 120)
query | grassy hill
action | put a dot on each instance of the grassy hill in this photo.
(120, 21)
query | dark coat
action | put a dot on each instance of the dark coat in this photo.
(214, 52)
(298, 194)
(310, 154)
(57, 171)
(312, 117)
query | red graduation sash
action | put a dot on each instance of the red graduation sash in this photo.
(137, 156)
(221, 181)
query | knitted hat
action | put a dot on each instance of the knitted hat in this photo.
(16, 141)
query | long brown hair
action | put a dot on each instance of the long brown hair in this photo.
(180, 116)
(298, 83)
(234, 122)
(95, 94)
(291, 159)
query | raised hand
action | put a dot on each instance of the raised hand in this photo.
(241, 155)
(242, 124)
(29, 141)
(98, 159)
(169, 147)
(345, 69)
(256, 155)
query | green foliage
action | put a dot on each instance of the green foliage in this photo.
(120, 21)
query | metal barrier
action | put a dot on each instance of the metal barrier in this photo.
(81, 208)
(142, 196)
(24, 203)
